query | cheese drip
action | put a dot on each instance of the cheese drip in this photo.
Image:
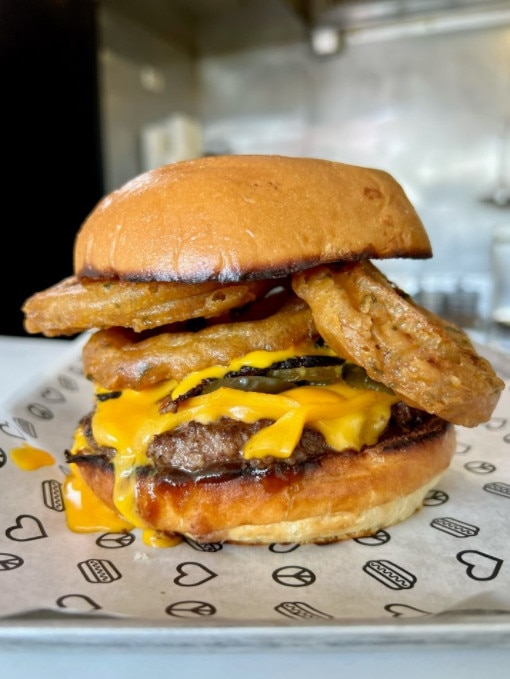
(347, 417)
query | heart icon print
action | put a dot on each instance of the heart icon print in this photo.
(77, 602)
(480, 566)
(401, 610)
(26, 528)
(192, 574)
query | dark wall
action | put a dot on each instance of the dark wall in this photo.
(50, 143)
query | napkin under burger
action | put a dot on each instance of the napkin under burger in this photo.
(257, 378)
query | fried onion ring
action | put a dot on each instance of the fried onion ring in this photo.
(73, 305)
(118, 359)
(429, 363)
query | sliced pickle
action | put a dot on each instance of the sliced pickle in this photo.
(260, 383)
(275, 381)
(282, 375)
(355, 376)
(319, 374)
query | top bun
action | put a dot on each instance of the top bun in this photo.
(232, 217)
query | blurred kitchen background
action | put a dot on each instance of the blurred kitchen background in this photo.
(95, 92)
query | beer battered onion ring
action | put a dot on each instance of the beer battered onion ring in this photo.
(118, 359)
(73, 305)
(428, 362)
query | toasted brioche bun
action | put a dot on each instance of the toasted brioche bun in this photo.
(334, 497)
(231, 217)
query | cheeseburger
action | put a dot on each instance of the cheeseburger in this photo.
(257, 378)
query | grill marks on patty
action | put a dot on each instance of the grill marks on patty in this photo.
(215, 450)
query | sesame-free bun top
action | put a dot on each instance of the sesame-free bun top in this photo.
(246, 216)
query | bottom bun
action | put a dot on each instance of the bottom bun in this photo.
(333, 497)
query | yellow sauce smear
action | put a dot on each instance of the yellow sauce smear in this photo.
(29, 458)
(85, 513)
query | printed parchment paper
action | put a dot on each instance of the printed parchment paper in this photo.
(452, 555)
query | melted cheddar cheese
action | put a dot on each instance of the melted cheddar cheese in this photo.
(347, 417)
(85, 513)
(29, 459)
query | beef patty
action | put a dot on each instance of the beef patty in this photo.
(215, 449)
